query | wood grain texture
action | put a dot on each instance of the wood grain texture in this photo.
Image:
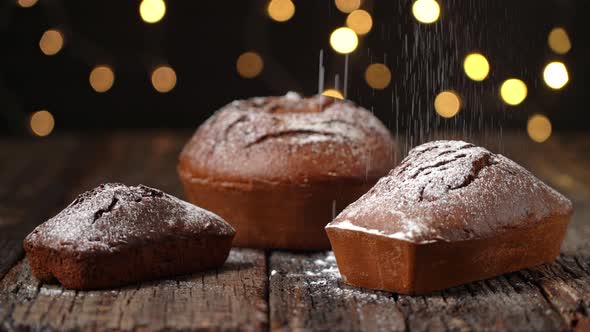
(306, 293)
(230, 298)
(551, 297)
(294, 291)
(564, 163)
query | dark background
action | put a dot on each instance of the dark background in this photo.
(201, 40)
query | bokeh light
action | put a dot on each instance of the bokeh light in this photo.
(426, 11)
(344, 40)
(513, 91)
(281, 10)
(447, 104)
(51, 42)
(555, 75)
(164, 79)
(564, 180)
(26, 3)
(249, 65)
(539, 128)
(42, 123)
(559, 41)
(476, 66)
(360, 21)
(101, 78)
(347, 6)
(152, 11)
(378, 76)
(333, 93)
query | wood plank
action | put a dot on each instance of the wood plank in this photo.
(306, 292)
(566, 283)
(302, 286)
(230, 298)
(505, 303)
(549, 297)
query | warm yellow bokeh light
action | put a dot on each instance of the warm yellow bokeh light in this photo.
(249, 64)
(360, 21)
(101, 78)
(476, 66)
(559, 41)
(447, 104)
(164, 79)
(513, 91)
(344, 40)
(555, 75)
(564, 180)
(281, 10)
(26, 3)
(152, 11)
(51, 42)
(42, 123)
(426, 11)
(347, 6)
(333, 93)
(378, 76)
(539, 128)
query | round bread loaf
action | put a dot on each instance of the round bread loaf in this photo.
(279, 168)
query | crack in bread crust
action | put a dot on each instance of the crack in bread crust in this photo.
(108, 209)
(454, 191)
(440, 168)
(310, 139)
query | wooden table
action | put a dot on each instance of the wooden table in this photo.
(277, 290)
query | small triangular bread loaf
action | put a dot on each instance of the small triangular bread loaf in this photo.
(450, 213)
(116, 234)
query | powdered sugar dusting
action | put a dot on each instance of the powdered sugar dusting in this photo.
(411, 233)
(294, 119)
(317, 275)
(325, 128)
(322, 265)
(449, 191)
(114, 215)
